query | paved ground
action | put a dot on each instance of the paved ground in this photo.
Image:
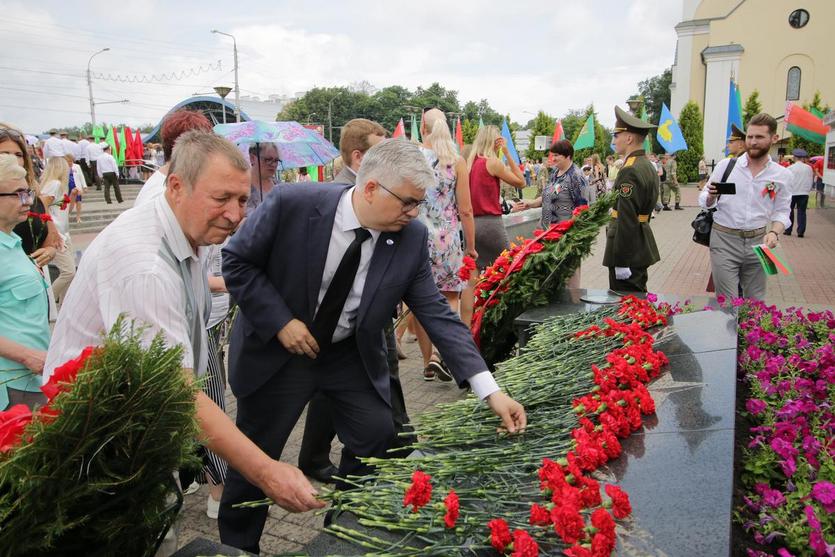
(684, 269)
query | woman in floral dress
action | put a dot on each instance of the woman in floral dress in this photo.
(447, 213)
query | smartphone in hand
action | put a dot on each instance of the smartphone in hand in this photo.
(725, 188)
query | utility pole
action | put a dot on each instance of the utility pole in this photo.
(90, 87)
(330, 120)
(237, 88)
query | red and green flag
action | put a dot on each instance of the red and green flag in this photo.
(399, 130)
(459, 135)
(558, 134)
(805, 124)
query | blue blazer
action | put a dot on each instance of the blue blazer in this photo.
(273, 269)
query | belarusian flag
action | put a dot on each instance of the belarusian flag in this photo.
(586, 137)
(459, 135)
(558, 134)
(399, 130)
(803, 123)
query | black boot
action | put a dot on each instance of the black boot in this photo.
(667, 208)
(679, 207)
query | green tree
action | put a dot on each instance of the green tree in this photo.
(656, 92)
(542, 124)
(469, 129)
(692, 128)
(810, 147)
(752, 107)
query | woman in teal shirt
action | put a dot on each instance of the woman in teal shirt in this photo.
(24, 313)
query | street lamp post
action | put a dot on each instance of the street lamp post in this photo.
(330, 121)
(635, 103)
(90, 87)
(237, 88)
(222, 92)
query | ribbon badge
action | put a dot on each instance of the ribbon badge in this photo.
(770, 190)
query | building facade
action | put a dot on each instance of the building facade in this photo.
(776, 47)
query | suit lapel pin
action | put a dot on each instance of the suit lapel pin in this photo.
(389, 242)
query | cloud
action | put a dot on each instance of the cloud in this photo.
(521, 56)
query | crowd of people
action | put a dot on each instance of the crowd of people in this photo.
(319, 273)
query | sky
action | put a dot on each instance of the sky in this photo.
(522, 56)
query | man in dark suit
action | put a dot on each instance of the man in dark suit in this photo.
(317, 271)
(356, 138)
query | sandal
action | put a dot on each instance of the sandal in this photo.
(428, 373)
(439, 369)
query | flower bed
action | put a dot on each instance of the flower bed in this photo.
(786, 488)
(90, 473)
(582, 379)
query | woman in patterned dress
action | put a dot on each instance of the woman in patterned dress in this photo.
(447, 213)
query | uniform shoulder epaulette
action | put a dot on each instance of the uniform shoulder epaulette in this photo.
(629, 162)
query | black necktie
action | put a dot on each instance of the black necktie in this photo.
(330, 309)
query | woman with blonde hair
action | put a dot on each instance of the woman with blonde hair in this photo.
(76, 186)
(447, 213)
(486, 171)
(55, 196)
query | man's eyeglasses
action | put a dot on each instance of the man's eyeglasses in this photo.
(409, 205)
(26, 197)
(271, 160)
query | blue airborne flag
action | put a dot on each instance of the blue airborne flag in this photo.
(669, 134)
(509, 140)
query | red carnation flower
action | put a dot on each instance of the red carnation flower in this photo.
(524, 545)
(452, 509)
(578, 210)
(12, 422)
(620, 501)
(540, 516)
(45, 217)
(603, 521)
(64, 375)
(467, 268)
(602, 545)
(420, 492)
(568, 523)
(500, 536)
(578, 551)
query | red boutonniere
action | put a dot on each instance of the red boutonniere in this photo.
(770, 190)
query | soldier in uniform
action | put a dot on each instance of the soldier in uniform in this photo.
(670, 185)
(736, 142)
(630, 245)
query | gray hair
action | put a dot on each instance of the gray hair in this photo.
(392, 161)
(194, 148)
(10, 170)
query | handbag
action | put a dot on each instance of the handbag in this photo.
(703, 223)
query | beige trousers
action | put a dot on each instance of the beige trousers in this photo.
(65, 261)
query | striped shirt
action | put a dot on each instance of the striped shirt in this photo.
(123, 271)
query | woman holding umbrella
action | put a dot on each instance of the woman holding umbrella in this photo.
(264, 159)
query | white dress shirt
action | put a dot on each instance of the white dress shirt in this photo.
(153, 188)
(122, 271)
(94, 151)
(53, 147)
(60, 217)
(106, 163)
(802, 178)
(345, 222)
(82, 149)
(749, 208)
(70, 147)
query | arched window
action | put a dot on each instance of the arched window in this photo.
(793, 84)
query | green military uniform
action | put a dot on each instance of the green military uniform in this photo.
(629, 239)
(670, 184)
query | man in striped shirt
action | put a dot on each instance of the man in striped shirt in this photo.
(146, 264)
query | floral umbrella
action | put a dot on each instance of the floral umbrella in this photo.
(297, 146)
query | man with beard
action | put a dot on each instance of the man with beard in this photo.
(756, 214)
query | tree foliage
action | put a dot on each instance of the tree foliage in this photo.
(810, 147)
(542, 124)
(752, 107)
(692, 128)
(656, 92)
(386, 106)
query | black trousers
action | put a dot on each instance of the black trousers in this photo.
(319, 430)
(267, 416)
(85, 169)
(111, 180)
(95, 173)
(800, 202)
(636, 283)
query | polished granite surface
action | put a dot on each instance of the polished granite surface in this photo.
(202, 547)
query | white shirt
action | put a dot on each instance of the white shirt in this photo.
(53, 147)
(78, 177)
(122, 271)
(342, 234)
(802, 178)
(82, 149)
(60, 217)
(153, 188)
(749, 209)
(106, 163)
(70, 147)
(94, 151)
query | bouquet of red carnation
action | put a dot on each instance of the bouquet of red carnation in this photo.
(90, 473)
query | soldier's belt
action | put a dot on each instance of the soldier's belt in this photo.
(741, 233)
(641, 218)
